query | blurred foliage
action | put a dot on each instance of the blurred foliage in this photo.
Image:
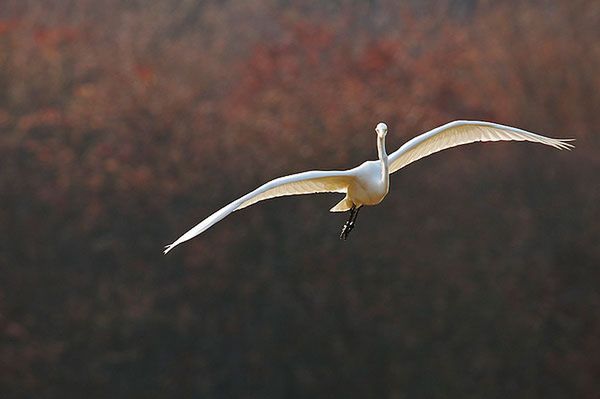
(123, 123)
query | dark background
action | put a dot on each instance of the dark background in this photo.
(124, 123)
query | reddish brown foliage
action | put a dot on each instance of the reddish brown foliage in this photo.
(123, 124)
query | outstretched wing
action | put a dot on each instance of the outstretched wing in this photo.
(463, 132)
(315, 181)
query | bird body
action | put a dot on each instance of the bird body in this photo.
(368, 183)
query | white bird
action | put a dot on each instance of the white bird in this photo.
(368, 183)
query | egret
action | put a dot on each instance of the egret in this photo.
(369, 183)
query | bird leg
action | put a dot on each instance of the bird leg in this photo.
(346, 228)
(349, 225)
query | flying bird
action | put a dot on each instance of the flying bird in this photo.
(369, 183)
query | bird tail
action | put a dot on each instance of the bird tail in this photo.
(342, 206)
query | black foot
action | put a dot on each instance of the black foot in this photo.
(346, 229)
(349, 225)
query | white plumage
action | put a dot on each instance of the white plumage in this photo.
(368, 183)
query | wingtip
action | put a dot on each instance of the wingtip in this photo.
(565, 145)
(168, 248)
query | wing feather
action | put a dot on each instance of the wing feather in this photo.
(463, 132)
(315, 181)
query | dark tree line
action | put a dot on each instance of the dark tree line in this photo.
(123, 124)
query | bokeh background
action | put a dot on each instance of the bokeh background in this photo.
(123, 123)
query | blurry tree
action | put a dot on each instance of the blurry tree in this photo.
(122, 123)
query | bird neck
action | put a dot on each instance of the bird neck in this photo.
(383, 157)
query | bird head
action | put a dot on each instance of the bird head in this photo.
(381, 129)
